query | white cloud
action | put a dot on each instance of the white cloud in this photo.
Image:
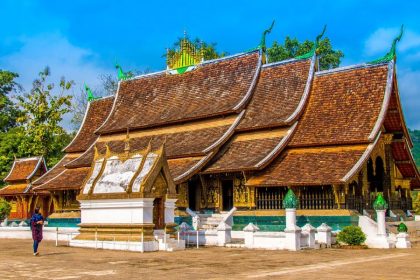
(63, 58)
(380, 41)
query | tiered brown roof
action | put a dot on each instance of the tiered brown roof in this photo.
(69, 179)
(306, 166)
(25, 168)
(214, 88)
(188, 140)
(15, 189)
(53, 172)
(278, 100)
(226, 116)
(343, 114)
(343, 107)
(96, 112)
(280, 88)
(394, 122)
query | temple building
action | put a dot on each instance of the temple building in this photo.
(18, 190)
(238, 132)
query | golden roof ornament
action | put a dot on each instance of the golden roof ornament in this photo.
(184, 59)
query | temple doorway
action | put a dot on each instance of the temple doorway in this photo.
(159, 213)
(227, 195)
(376, 174)
(192, 194)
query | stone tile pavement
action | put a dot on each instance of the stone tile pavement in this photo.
(17, 262)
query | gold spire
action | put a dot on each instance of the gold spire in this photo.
(187, 55)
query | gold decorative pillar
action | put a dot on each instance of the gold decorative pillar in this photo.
(241, 196)
(337, 195)
(182, 201)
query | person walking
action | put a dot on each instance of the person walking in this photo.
(36, 225)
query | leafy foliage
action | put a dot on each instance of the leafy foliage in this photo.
(42, 113)
(5, 208)
(8, 112)
(351, 235)
(328, 57)
(9, 147)
(415, 136)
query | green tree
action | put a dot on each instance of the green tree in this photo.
(415, 136)
(9, 148)
(328, 57)
(42, 112)
(5, 208)
(8, 112)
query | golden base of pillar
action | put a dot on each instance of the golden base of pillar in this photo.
(116, 232)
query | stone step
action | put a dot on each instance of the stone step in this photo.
(211, 221)
(235, 245)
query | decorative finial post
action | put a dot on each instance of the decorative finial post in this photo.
(392, 54)
(403, 238)
(292, 231)
(90, 96)
(290, 203)
(315, 46)
(380, 205)
(121, 75)
(267, 31)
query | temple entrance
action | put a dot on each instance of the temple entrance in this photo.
(159, 213)
(194, 193)
(376, 175)
(227, 194)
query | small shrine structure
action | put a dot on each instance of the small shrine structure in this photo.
(19, 189)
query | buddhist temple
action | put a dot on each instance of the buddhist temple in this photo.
(239, 132)
(18, 190)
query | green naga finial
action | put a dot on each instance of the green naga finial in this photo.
(122, 76)
(267, 31)
(380, 203)
(90, 96)
(290, 200)
(392, 54)
(315, 46)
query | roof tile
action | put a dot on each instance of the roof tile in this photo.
(209, 90)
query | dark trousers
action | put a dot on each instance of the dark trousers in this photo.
(36, 243)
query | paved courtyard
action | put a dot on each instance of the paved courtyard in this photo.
(17, 262)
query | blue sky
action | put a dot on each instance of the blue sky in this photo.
(81, 39)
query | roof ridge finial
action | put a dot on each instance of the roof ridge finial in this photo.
(90, 96)
(318, 38)
(122, 76)
(267, 31)
(392, 54)
(314, 47)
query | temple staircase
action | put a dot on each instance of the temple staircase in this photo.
(210, 221)
(167, 243)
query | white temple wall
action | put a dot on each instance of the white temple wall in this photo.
(117, 211)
